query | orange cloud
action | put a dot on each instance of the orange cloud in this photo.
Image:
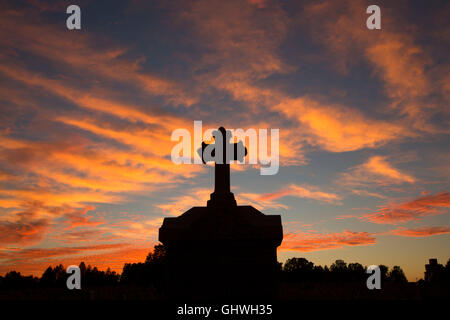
(182, 203)
(138, 230)
(379, 165)
(376, 170)
(77, 218)
(337, 128)
(154, 143)
(30, 223)
(95, 102)
(306, 242)
(420, 232)
(411, 210)
(76, 198)
(22, 232)
(102, 172)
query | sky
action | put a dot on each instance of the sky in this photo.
(86, 118)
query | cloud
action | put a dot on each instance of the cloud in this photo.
(396, 56)
(142, 139)
(14, 198)
(376, 170)
(199, 197)
(139, 230)
(22, 232)
(254, 199)
(243, 39)
(245, 50)
(77, 218)
(368, 193)
(294, 190)
(180, 204)
(412, 210)
(69, 176)
(34, 219)
(94, 101)
(338, 128)
(420, 232)
(379, 165)
(306, 242)
(40, 253)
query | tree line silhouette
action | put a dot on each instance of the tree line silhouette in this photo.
(302, 270)
(152, 273)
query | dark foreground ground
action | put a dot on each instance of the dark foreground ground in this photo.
(288, 292)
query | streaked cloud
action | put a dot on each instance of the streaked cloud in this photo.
(411, 210)
(311, 241)
(421, 231)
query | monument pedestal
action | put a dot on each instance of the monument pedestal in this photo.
(221, 252)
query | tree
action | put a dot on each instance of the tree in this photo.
(298, 265)
(151, 272)
(356, 272)
(447, 272)
(298, 269)
(356, 268)
(384, 272)
(157, 256)
(15, 280)
(396, 275)
(339, 266)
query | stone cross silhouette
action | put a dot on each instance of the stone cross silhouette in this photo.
(222, 196)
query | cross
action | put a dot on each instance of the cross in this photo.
(222, 195)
